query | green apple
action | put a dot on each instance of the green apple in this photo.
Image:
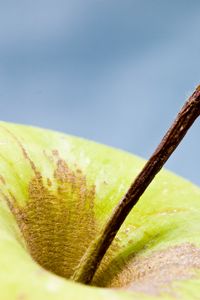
(56, 194)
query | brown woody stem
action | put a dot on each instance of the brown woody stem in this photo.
(93, 256)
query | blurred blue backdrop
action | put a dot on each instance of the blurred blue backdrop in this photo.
(116, 72)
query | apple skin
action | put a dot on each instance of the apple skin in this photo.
(57, 191)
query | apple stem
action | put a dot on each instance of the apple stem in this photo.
(96, 251)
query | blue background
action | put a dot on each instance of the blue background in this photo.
(113, 71)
